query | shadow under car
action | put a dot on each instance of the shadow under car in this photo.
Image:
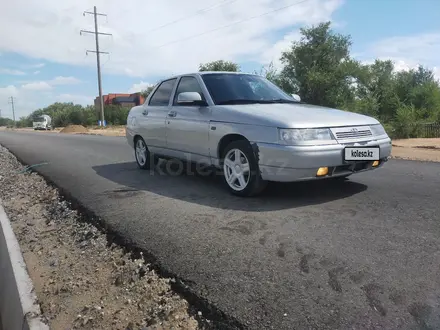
(208, 189)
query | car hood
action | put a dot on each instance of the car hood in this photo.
(289, 115)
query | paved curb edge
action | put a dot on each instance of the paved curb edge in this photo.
(19, 308)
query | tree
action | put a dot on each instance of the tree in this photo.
(6, 121)
(116, 114)
(24, 122)
(318, 67)
(147, 91)
(375, 90)
(220, 65)
(270, 72)
(408, 81)
(63, 114)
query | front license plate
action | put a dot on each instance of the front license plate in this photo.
(357, 153)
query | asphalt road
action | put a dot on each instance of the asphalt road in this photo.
(363, 254)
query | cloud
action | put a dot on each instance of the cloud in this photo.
(407, 52)
(37, 72)
(37, 86)
(8, 91)
(49, 84)
(139, 87)
(75, 98)
(436, 71)
(422, 48)
(274, 53)
(25, 101)
(12, 72)
(30, 97)
(60, 80)
(37, 66)
(32, 66)
(38, 94)
(135, 50)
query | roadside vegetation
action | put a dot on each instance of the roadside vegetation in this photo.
(320, 68)
(64, 114)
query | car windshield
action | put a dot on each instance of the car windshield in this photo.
(232, 88)
(39, 120)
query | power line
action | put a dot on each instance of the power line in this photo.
(198, 12)
(231, 24)
(11, 101)
(98, 61)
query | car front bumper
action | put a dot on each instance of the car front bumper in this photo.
(298, 163)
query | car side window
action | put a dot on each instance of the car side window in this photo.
(161, 96)
(188, 84)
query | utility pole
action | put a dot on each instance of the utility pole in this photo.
(98, 61)
(11, 101)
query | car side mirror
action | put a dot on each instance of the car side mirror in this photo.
(190, 98)
(296, 97)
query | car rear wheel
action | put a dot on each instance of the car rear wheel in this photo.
(241, 171)
(143, 155)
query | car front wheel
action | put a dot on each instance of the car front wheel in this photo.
(241, 171)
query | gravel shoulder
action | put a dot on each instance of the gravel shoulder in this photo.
(83, 280)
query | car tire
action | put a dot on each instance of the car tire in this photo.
(144, 158)
(242, 175)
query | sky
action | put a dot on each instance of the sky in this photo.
(43, 56)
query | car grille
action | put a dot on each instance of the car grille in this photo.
(345, 133)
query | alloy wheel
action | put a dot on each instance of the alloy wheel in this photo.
(236, 169)
(141, 152)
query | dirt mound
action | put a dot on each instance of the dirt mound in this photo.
(74, 129)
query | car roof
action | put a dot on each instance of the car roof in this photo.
(222, 72)
(202, 73)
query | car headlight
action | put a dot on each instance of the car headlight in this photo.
(304, 135)
(377, 130)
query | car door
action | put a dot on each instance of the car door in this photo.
(153, 115)
(188, 126)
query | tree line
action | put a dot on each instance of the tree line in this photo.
(320, 68)
(68, 113)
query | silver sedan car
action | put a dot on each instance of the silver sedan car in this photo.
(252, 131)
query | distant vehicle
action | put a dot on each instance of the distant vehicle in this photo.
(253, 131)
(43, 122)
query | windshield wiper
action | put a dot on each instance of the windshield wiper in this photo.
(248, 101)
(240, 101)
(280, 101)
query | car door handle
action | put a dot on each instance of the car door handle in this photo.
(172, 114)
(145, 112)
